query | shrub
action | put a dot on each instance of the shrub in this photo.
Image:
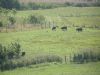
(8, 54)
(3, 53)
(86, 57)
(96, 4)
(68, 4)
(36, 19)
(47, 58)
(12, 20)
(9, 4)
(78, 58)
(10, 57)
(14, 50)
(81, 5)
(1, 24)
(23, 53)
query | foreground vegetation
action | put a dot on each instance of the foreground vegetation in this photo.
(11, 58)
(58, 69)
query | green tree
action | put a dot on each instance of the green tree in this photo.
(9, 4)
(14, 11)
(8, 54)
(3, 56)
(12, 20)
(14, 50)
(1, 24)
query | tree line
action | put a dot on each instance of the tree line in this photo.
(10, 4)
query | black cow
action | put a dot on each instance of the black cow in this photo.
(64, 28)
(54, 28)
(80, 29)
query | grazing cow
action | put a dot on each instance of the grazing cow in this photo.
(64, 28)
(23, 54)
(79, 29)
(54, 28)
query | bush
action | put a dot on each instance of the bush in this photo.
(86, 57)
(78, 58)
(8, 54)
(12, 20)
(10, 57)
(36, 19)
(81, 5)
(1, 24)
(14, 50)
(97, 4)
(68, 4)
(9, 4)
(46, 58)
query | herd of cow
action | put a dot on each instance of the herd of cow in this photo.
(64, 28)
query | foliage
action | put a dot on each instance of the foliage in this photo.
(12, 20)
(1, 24)
(14, 50)
(80, 17)
(68, 4)
(7, 54)
(97, 4)
(46, 58)
(10, 57)
(82, 4)
(36, 6)
(86, 57)
(7, 17)
(36, 19)
(9, 4)
(3, 53)
(14, 12)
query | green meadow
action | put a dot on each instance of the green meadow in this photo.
(79, 16)
(45, 41)
(59, 42)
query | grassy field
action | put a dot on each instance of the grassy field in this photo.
(51, 69)
(46, 41)
(59, 42)
(41, 42)
(79, 16)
